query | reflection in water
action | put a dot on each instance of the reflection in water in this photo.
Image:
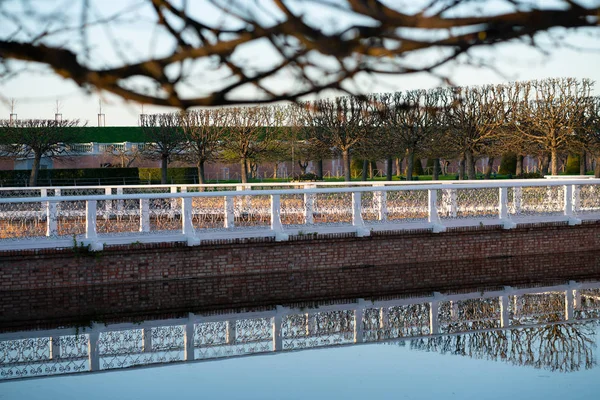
(556, 347)
(552, 327)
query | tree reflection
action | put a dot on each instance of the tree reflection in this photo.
(556, 347)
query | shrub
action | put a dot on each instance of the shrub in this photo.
(572, 167)
(306, 177)
(529, 175)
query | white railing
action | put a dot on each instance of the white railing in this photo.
(94, 216)
(526, 311)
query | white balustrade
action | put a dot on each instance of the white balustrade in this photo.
(192, 214)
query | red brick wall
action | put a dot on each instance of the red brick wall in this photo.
(24, 270)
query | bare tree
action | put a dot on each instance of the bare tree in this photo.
(254, 131)
(474, 118)
(589, 134)
(342, 121)
(203, 130)
(412, 118)
(126, 156)
(374, 36)
(38, 138)
(164, 139)
(546, 112)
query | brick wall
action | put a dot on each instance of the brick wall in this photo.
(26, 270)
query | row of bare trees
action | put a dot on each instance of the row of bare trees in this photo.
(546, 119)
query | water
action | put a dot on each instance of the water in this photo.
(358, 372)
(536, 342)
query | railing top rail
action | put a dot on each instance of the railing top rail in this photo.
(478, 183)
(441, 186)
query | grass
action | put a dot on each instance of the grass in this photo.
(449, 177)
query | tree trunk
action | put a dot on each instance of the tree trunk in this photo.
(389, 169)
(398, 168)
(35, 168)
(470, 165)
(436, 169)
(461, 167)
(365, 170)
(371, 169)
(164, 162)
(488, 169)
(582, 163)
(554, 155)
(275, 170)
(597, 169)
(410, 163)
(200, 167)
(346, 162)
(544, 162)
(519, 169)
(303, 167)
(244, 170)
(320, 169)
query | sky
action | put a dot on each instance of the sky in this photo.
(36, 91)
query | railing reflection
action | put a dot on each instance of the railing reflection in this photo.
(549, 327)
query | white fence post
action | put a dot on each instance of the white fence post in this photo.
(93, 356)
(188, 340)
(503, 210)
(569, 206)
(380, 199)
(230, 331)
(576, 199)
(120, 203)
(517, 199)
(358, 321)
(187, 225)
(309, 205)
(504, 315)
(357, 220)
(229, 213)
(144, 215)
(108, 203)
(433, 217)
(91, 235)
(277, 337)
(51, 219)
(276, 225)
(449, 202)
(569, 305)
(434, 323)
(147, 334)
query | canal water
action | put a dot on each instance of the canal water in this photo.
(530, 341)
(383, 371)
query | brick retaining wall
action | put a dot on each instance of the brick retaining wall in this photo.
(26, 270)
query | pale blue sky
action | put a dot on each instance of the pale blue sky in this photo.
(36, 93)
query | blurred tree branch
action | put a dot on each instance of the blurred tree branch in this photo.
(374, 39)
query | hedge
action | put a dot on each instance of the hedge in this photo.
(72, 176)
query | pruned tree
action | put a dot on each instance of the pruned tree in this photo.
(203, 131)
(253, 132)
(474, 117)
(39, 138)
(126, 155)
(412, 119)
(343, 124)
(164, 139)
(295, 38)
(589, 133)
(546, 113)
